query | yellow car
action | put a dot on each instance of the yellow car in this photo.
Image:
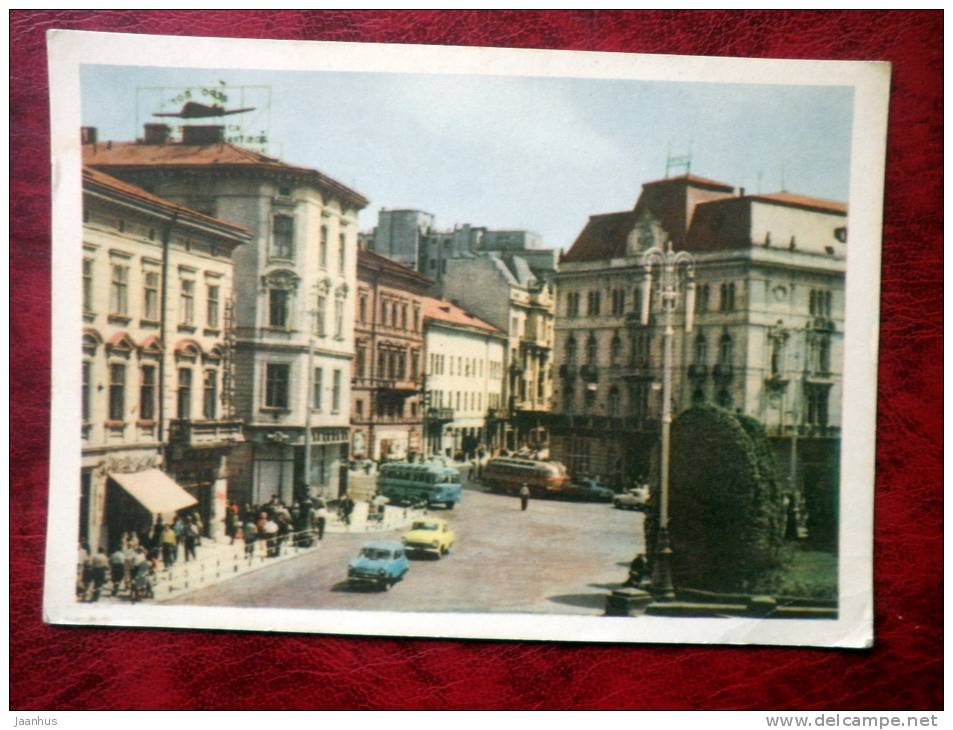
(429, 535)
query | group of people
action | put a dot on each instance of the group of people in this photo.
(273, 524)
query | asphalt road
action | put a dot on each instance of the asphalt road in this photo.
(557, 557)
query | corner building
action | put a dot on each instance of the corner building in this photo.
(158, 417)
(294, 298)
(767, 338)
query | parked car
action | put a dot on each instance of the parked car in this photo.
(429, 535)
(636, 498)
(381, 563)
(586, 490)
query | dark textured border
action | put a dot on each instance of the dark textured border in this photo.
(73, 668)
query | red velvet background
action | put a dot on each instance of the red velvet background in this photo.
(73, 668)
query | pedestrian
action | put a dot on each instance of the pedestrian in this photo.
(231, 522)
(199, 528)
(524, 497)
(636, 571)
(141, 585)
(250, 534)
(191, 534)
(157, 532)
(117, 568)
(169, 546)
(271, 538)
(321, 518)
(100, 570)
(179, 527)
(82, 570)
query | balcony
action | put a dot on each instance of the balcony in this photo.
(819, 376)
(776, 382)
(567, 371)
(402, 386)
(440, 415)
(640, 371)
(722, 373)
(589, 373)
(205, 434)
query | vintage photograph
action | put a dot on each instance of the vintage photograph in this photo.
(463, 342)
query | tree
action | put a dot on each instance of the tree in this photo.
(726, 502)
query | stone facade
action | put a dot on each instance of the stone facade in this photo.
(157, 365)
(387, 378)
(767, 339)
(295, 289)
(464, 381)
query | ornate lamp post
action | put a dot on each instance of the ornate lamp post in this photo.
(668, 274)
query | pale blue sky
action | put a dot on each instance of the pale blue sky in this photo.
(507, 152)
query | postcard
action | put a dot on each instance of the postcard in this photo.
(463, 342)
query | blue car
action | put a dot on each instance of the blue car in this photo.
(381, 563)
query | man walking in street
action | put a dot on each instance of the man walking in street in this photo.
(321, 518)
(524, 497)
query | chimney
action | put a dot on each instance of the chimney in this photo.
(203, 134)
(87, 135)
(156, 134)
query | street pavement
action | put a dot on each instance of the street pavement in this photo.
(557, 557)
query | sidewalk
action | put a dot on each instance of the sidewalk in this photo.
(218, 561)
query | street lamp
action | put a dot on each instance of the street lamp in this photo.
(670, 265)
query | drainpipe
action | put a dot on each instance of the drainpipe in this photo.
(163, 319)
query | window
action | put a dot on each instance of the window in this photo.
(150, 296)
(317, 389)
(641, 349)
(615, 352)
(147, 393)
(383, 312)
(276, 385)
(117, 392)
(119, 289)
(320, 316)
(702, 294)
(339, 317)
(87, 384)
(817, 404)
(725, 351)
(323, 248)
(639, 400)
(210, 395)
(820, 303)
(618, 302)
(278, 308)
(571, 350)
(186, 301)
(282, 228)
(360, 360)
(362, 308)
(184, 405)
(614, 407)
(589, 398)
(595, 303)
(416, 319)
(701, 349)
(336, 392)
(727, 297)
(572, 304)
(723, 398)
(359, 409)
(87, 285)
(592, 349)
(211, 313)
(414, 364)
(342, 253)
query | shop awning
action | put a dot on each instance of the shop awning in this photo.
(155, 491)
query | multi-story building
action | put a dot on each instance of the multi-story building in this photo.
(294, 298)
(504, 291)
(464, 380)
(158, 417)
(767, 336)
(411, 238)
(387, 378)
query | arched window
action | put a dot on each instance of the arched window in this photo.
(724, 398)
(701, 349)
(725, 350)
(615, 352)
(591, 349)
(613, 403)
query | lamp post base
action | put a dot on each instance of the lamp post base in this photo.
(662, 586)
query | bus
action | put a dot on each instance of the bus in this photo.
(508, 475)
(430, 482)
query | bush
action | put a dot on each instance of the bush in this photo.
(727, 507)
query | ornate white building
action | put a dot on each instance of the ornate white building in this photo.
(294, 299)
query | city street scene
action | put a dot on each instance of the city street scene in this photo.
(348, 344)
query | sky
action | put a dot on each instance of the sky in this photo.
(510, 152)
